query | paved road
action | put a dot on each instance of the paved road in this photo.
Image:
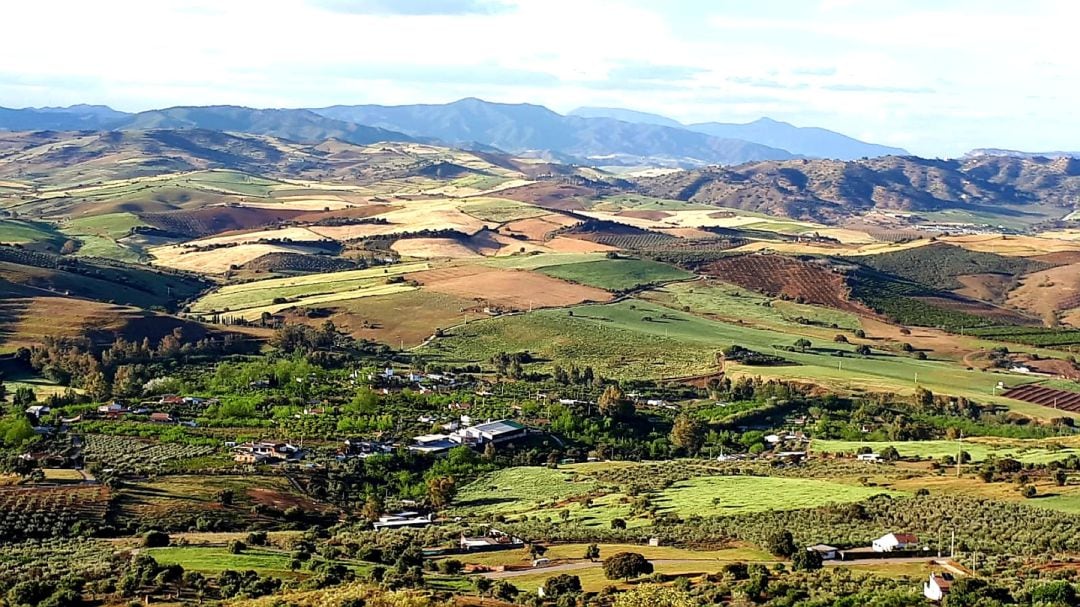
(705, 563)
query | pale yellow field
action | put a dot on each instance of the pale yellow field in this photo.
(817, 249)
(419, 216)
(216, 261)
(296, 234)
(328, 278)
(1015, 246)
(430, 248)
(383, 289)
(299, 204)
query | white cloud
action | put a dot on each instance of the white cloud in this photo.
(935, 77)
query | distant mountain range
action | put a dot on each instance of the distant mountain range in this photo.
(595, 136)
(804, 141)
(976, 153)
(525, 128)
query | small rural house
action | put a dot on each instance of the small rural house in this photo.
(826, 552)
(937, 586)
(433, 444)
(496, 432)
(256, 453)
(895, 541)
(494, 540)
(869, 457)
(161, 417)
(403, 519)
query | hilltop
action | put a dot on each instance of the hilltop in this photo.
(826, 190)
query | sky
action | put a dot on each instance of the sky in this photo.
(935, 77)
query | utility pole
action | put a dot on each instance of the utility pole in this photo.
(959, 452)
(952, 545)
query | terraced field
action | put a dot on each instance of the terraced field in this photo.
(251, 299)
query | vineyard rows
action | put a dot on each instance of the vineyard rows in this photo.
(778, 275)
(1047, 397)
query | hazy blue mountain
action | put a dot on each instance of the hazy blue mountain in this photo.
(807, 141)
(295, 125)
(73, 118)
(804, 141)
(626, 116)
(520, 128)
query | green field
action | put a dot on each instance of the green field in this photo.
(518, 490)
(113, 225)
(721, 495)
(540, 260)
(16, 231)
(617, 274)
(500, 210)
(637, 339)
(262, 293)
(979, 449)
(734, 303)
(215, 559)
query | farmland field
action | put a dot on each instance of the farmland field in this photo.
(14, 231)
(214, 560)
(519, 490)
(617, 274)
(733, 303)
(641, 339)
(513, 289)
(723, 495)
(262, 293)
(978, 448)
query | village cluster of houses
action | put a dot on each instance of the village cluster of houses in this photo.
(493, 432)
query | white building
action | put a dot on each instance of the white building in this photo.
(937, 586)
(896, 541)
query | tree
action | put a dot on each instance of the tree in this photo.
(802, 344)
(688, 433)
(613, 403)
(482, 585)
(626, 565)
(24, 397)
(1061, 478)
(924, 399)
(225, 497)
(562, 585)
(236, 547)
(653, 595)
(372, 509)
(440, 490)
(536, 550)
(155, 539)
(1058, 592)
(890, 454)
(806, 560)
(618, 523)
(863, 350)
(592, 552)
(781, 543)
(505, 591)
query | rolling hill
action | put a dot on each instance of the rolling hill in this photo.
(826, 190)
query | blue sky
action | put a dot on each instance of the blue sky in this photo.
(937, 78)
